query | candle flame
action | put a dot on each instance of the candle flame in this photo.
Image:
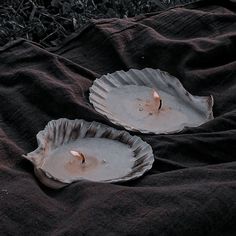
(78, 155)
(157, 99)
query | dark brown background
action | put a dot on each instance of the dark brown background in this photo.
(191, 189)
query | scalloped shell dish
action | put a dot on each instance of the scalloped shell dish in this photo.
(108, 155)
(125, 98)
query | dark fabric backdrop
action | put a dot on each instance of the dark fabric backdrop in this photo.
(191, 189)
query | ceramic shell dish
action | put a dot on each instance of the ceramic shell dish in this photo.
(133, 156)
(125, 98)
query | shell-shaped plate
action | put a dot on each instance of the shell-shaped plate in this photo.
(60, 135)
(125, 99)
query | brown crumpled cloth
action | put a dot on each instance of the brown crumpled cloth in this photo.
(191, 189)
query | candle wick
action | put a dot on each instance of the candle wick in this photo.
(83, 158)
(160, 104)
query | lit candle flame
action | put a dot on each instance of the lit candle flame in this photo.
(157, 99)
(78, 155)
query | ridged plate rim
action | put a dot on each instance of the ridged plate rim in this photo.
(142, 150)
(146, 77)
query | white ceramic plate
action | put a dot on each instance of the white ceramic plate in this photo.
(109, 155)
(126, 99)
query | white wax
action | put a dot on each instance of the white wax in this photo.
(135, 106)
(104, 159)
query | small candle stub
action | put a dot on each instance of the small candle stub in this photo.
(157, 99)
(79, 155)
